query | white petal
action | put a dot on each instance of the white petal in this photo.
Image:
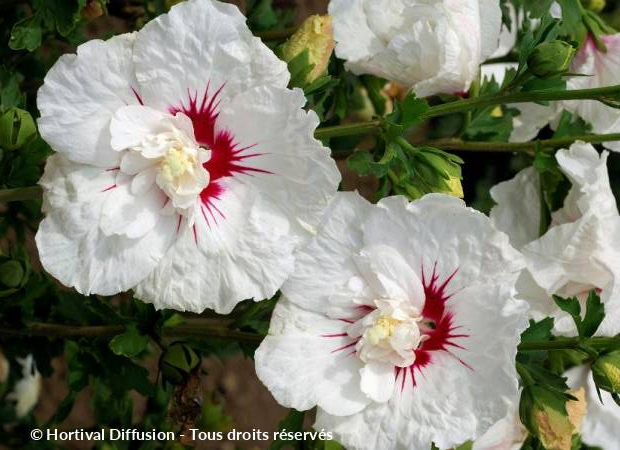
(587, 172)
(81, 93)
(302, 175)
(199, 43)
(327, 259)
(131, 124)
(438, 229)
(245, 250)
(74, 249)
(377, 381)
(517, 212)
(603, 69)
(300, 363)
(130, 214)
(432, 47)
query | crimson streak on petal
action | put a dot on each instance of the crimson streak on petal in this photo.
(228, 158)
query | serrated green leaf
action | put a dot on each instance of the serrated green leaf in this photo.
(595, 313)
(362, 162)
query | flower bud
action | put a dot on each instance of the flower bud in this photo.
(555, 429)
(594, 5)
(606, 372)
(16, 127)
(455, 188)
(550, 59)
(177, 362)
(92, 10)
(316, 36)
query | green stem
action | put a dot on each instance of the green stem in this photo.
(19, 194)
(349, 129)
(191, 328)
(572, 343)
(475, 146)
(600, 94)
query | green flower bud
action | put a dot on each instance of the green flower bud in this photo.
(315, 35)
(16, 127)
(177, 362)
(12, 274)
(606, 372)
(594, 5)
(550, 59)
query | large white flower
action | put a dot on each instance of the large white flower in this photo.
(26, 392)
(580, 250)
(432, 46)
(185, 168)
(399, 324)
(601, 68)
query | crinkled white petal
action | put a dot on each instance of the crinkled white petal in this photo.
(432, 47)
(506, 434)
(450, 402)
(302, 177)
(244, 250)
(300, 362)
(337, 240)
(440, 229)
(200, 43)
(602, 69)
(72, 245)
(590, 190)
(517, 209)
(80, 94)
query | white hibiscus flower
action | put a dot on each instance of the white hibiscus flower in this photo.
(432, 46)
(26, 392)
(399, 324)
(186, 169)
(579, 252)
(602, 68)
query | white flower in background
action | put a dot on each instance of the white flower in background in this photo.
(601, 422)
(27, 389)
(602, 69)
(399, 324)
(431, 46)
(532, 116)
(507, 433)
(185, 168)
(580, 250)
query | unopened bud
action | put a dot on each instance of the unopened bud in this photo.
(555, 429)
(606, 372)
(550, 59)
(455, 188)
(594, 5)
(12, 274)
(16, 127)
(316, 36)
(92, 10)
(177, 362)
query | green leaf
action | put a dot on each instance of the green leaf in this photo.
(595, 313)
(26, 34)
(362, 162)
(569, 305)
(130, 344)
(538, 331)
(16, 128)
